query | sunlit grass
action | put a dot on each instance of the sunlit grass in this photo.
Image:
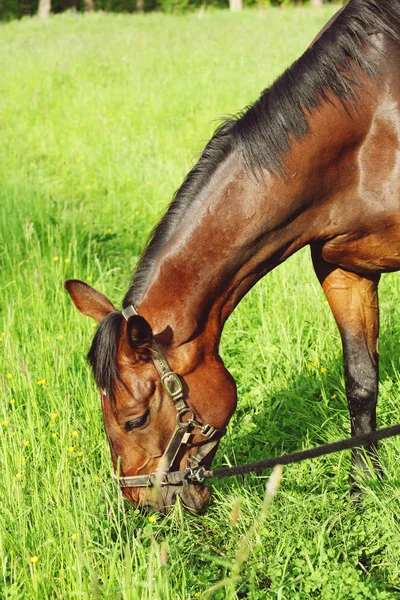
(100, 119)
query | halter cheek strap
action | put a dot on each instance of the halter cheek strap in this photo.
(185, 423)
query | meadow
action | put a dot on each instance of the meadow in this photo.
(101, 117)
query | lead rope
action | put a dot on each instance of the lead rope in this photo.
(286, 459)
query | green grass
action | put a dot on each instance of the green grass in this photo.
(100, 119)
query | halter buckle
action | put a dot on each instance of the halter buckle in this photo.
(172, 387)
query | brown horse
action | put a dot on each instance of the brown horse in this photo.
(316, 160)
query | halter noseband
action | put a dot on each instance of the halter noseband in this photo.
(172, 386)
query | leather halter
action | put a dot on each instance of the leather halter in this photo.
(185, 423)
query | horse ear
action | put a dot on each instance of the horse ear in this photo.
(87, 300)
(140, 337)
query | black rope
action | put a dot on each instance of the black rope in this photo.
(294, 457)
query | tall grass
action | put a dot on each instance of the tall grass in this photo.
(101, 116)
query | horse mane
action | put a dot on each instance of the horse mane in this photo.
(261, 133)
(327, 69)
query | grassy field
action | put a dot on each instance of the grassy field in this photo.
(100, 119)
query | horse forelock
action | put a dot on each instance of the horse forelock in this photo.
(103, 353)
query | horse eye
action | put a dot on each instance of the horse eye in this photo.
(135, 423)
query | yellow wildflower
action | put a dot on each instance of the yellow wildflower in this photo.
(333, 396)
(79, 453)
(323, 369)
(9, 375)
(109, 230)
(34, 559)
(96, 479)
(89, 278)
(56, 258)
(54, 416)
(71, 449)
(41, 382)
(74, 434)
(5, 422)
(85, 223)
(309, 367)
(25, 443)
(54, 435)
(315, 363)
(152, 518)
(12, 401)
(67, 260)
(18, 476)
(73, 537)
(60, 337)
(94, 324)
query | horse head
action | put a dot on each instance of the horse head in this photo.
(157, 423)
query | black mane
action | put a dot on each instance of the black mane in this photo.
(261, 133)
(326, 69)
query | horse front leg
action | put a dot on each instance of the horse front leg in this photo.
(354, 303)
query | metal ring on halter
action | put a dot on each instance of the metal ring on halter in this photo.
(197, 474)
(183, 412)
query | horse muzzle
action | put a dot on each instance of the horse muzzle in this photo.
(194, 497)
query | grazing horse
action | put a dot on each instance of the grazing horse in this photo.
(315, 161)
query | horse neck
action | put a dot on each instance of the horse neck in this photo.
(238, 229)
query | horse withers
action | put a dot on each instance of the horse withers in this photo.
(315, 161)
